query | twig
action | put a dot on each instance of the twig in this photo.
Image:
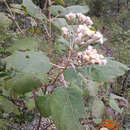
(13, 18)
(57, 66)
(49, 1)
(45, 5)
(62, 71)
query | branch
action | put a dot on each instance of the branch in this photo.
(62, 71)
(13, 18)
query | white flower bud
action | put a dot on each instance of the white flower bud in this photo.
(89, 21)
(90, 47)
(101, 56)
(104, 62)
(94, 51)
(71, 16)
(99, 37)
(89, 32)
(80, 28)
(92, 61)
(79, 55)
(81, 17)
(96, 56)
(64, 31)
(88, 52)
(86, 58)
(92, 56)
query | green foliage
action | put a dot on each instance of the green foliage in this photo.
(30, 104)
(43, 105)
(71, 2)
(76, 9)
(99, 73)
(65, 106)
(7, 106)
(57, 9)
(58, 23)
(23, 83)
(98, 108)
(5, 21)
(25, 44)
(31, 62)
(33, 10)
(114, 104)
(29, 75)
(61, 2)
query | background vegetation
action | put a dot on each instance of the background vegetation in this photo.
(32, 54)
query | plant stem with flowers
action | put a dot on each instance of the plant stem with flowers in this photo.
(83, 36)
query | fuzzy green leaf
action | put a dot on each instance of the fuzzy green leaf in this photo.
(30, 104)
(58, 23)
(61, 2)
(59, 10)
(99, 73)
(4, 21)
(7, 106)
(29, 61)
(98, 108)
(113, 104)
(23, 83)
(23, 45)
(56, 10)
(76, 9)
(43, 105)
(32, 9)
(67, 108)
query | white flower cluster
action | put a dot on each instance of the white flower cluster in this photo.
(71, 16)
(84, 19)
(83, 31)
(83, 34)
(90, 56)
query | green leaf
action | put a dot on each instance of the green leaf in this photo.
(98, 108)
(113, 104)
(23, 45)
(61, 2)
(76, 9)
(91, 89)
(75, 77)
(58, 23)
(33, 62)
(23, 83)
(32, 9)
(63, 41)
(56, 10)
(99, 73)
(30, 103)
(7, 106)
(59, 10)
(4, 21)
(3, 123)
(43, 105)
(67, 108)
(107, 72)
